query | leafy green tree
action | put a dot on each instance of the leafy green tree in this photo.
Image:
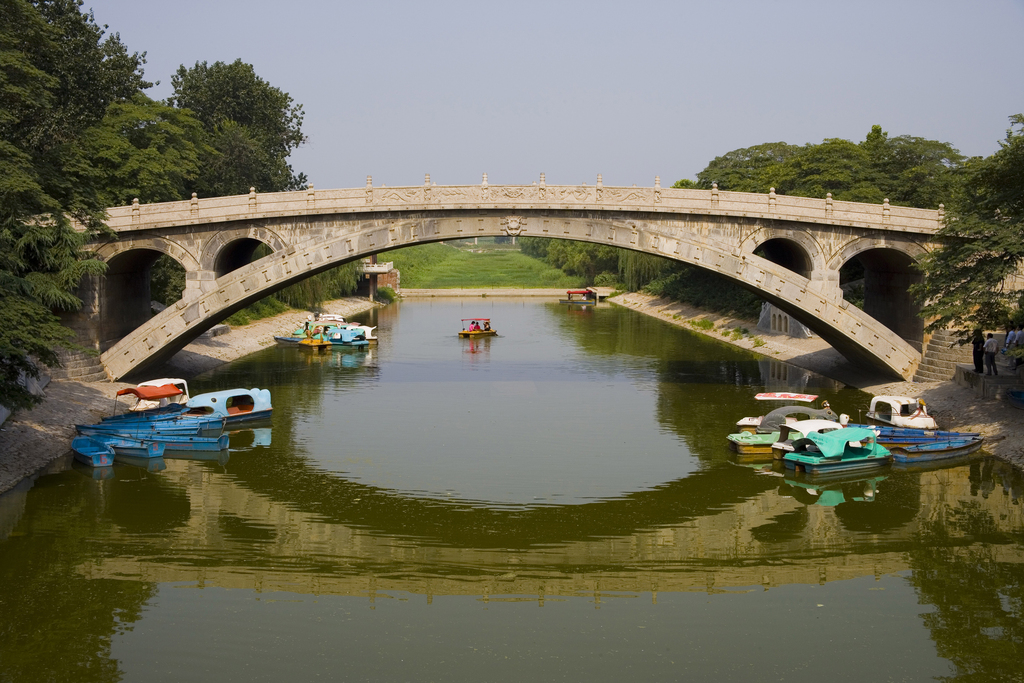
(907, 170)
(973, 280)
(253, 128)
(58, 75)
(748, 169)
(145, 149)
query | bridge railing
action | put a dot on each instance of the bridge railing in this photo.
(521, 197)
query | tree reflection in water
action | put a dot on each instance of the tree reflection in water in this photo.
(976, 589)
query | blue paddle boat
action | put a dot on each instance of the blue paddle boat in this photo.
(936, 450)
(1016, 398)
(346, 336)
(92, 452)
(126, 446)
(842, 450)
(195, 443)
(236, 405)
(211, 427)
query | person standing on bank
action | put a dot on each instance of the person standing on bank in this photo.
(978, 344)
(991, 346)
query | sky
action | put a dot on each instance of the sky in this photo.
(573, 89)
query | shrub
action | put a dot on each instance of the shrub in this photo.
(703, 324)
(386, 295)
(758, 342)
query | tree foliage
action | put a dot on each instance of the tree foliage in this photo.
(972, 281)
(253, 127)
(58, 75)
(907, 170)
(146, 150)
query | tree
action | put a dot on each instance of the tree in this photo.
(146, 150)
(746, 169)
(58, 75)
(253, 128)
(973, 280)
(907, 170)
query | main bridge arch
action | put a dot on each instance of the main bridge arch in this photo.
(714, 242)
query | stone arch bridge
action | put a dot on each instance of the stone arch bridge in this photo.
(787, 249)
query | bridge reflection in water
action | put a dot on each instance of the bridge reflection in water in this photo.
(366, 542)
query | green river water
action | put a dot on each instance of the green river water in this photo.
(555, 503)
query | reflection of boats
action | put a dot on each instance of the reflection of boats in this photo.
(936, 450)
(476, 327)
(236, 405)
(97, 473)
(841, 450)
(900, 411)
(92, 452)
(771, 422)
(219, 456)
(584, 297)
(149, 464)
(832, 492)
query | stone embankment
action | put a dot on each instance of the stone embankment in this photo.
(954, 407)
(32, 442)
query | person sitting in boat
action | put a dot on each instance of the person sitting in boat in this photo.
(487, 326)
(474, 326)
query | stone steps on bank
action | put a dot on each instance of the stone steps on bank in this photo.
(80, 367)
(941, 356)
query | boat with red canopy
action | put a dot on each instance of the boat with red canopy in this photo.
(584, 297)
(476, 327)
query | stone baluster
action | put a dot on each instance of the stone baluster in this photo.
(942, 214)
(193, 208)
(828, 205)
(484, 190)
(657, 189)
(714, 195)
(600, 187)
(885, 210)
(369, 189)
(136, 218)
(772, 199)
(426, 187)
(252, 200)
(543, 188)
(310, 197)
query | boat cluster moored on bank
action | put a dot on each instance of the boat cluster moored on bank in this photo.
(166, 422)
(817, 441)
(326, 331)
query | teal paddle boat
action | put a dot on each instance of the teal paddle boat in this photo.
(842, 450)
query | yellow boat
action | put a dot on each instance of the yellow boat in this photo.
(315, 343)
(477, 327)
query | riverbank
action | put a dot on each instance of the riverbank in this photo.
(34, 441)
(954, 407)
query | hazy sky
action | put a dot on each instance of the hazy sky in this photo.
(573, 89)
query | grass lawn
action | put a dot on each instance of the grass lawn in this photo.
(448, 266)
